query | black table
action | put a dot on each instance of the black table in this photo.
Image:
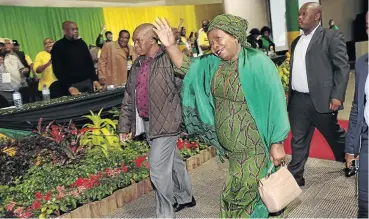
(279, 59)
(61, 110)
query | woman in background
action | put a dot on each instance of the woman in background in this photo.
(265, 39)
(254, 38)
(43, 66)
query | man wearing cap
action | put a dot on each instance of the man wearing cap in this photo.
(32, 79)
(26, 61)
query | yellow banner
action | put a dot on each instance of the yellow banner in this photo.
(291, 36)
(117, 19)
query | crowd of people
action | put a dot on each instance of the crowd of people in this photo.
(65, 68)
(231, 97)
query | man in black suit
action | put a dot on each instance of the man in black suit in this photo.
(357, 134)
(320, 73)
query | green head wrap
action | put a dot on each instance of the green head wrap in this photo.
(234, 25)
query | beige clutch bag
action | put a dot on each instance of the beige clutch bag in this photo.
(279, 189)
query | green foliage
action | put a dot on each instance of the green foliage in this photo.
(56, 187)
(115, 112)
(56, 143)
(100, 133)
(48, 177)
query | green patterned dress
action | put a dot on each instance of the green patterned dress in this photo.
(237, 132)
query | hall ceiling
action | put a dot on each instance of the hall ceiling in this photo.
(159, 2)
(108, 3)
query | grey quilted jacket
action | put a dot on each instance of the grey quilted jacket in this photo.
(165, 114)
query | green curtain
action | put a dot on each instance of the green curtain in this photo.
(31, 25)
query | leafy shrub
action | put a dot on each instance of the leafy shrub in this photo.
(100, 133)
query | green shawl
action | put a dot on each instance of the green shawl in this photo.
(264, 95)
(263, 92)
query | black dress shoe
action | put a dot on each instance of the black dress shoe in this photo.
(352, 171)
(300, 182)
(177, 207)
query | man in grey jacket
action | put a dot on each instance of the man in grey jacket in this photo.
(318, 82)
(152, 105)
(357, 134)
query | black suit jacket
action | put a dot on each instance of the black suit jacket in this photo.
(357, 121)
(22, 58)
(327, 68)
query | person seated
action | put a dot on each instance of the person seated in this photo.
(254, 38)
(43, 66)
(266, 40)
(72, 64)
(116, 60)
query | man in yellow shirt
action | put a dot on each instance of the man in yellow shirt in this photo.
(43, 67)
(203, 40)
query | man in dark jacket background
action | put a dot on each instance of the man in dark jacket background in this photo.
(151, 105)
(72, 64)
(357, 134)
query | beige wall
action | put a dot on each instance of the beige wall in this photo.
(255, 11)
(343, 12)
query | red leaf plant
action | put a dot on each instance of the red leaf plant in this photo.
(112, 172)
(10, 206)
(124, 168)
(187, 145)
(87, 183)
(139, 161)
(36, 205)
(56, 134)
(60, 190)
(38, 195)
(194, 145)
(180, 144)
(83, 130)
(23, 214)
(47, 196)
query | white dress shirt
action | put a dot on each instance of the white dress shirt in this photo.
(299, 75)
(366, 108)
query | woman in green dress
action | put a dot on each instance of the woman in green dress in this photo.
(266, 40)
(233, 99)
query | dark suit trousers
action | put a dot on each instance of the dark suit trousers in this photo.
(303, 120)
(363, 176)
